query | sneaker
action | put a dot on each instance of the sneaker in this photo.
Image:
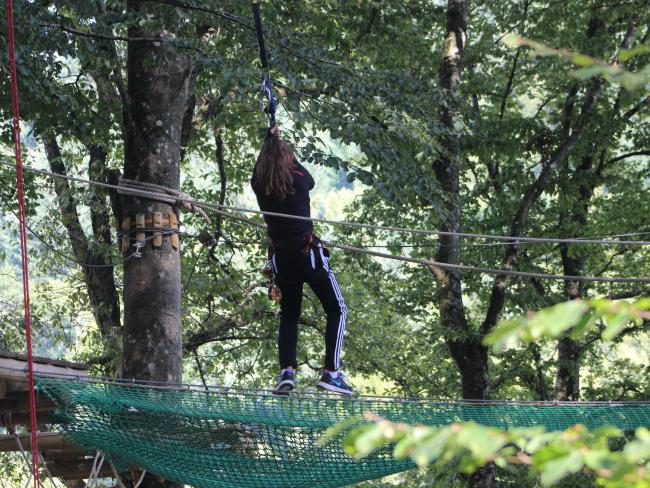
(286, 383)
(337, 385)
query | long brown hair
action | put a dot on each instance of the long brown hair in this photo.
(273, 167)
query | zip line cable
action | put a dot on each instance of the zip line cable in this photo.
(11, 48)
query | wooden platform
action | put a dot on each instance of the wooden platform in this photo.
(63, 459)
(13, 369)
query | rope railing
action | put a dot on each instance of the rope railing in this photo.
(22, 218)
(243, 391)
(131, 188)
(460, 267)
(156, 192)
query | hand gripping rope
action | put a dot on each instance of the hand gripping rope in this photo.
(266, 91)
(11, 47)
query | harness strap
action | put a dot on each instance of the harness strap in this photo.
(303, 243)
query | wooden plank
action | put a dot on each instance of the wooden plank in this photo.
(126, 225)
(43, 360)
(150, 222)
(157, 224)
(67, 454)
(173, 223)
(139, 224)
(46, 441)
(13, 420)
(14, 372)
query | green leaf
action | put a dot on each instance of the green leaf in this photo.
(337, 429)
(554, 471)
(552, 321)
(351, 444)
(626, 54)
(504, 335)
(616, 323)
(583, 325)
(589, 72)
(583, 60)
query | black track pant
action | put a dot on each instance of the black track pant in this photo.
(293, 269)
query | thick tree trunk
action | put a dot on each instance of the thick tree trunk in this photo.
(467, 351)
(159, 90)
(465, 348)
(585, 177)
(567, 379)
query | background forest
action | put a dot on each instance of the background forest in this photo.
(486, 139)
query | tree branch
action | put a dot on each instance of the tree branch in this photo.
(367, 28)
(534, 191)
(66, 201)
(628, 115)
(513, 69)
(629, 155)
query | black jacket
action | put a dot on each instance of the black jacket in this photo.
(296, 203)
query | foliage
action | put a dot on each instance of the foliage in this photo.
(577, 317)
(591, 67)
(551, 455)
(606, 453)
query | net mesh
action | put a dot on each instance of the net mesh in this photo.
(248, 438)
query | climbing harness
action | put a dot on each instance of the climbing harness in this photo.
(305, 244)
(274, 293)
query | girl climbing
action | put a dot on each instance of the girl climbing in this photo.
(281, 184)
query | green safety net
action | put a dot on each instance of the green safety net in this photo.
(246, 438)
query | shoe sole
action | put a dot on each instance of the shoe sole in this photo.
(326, 386)
(284, 388)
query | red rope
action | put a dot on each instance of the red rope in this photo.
(11, 46)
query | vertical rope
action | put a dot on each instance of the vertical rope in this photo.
(11, 47)
(266, 90)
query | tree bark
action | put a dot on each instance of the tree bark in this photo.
(159, 93)
(584, 178)
(94, 256)
(466, 350)
(567, 380)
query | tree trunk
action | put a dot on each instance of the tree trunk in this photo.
(585, 177)
(94, 257)
(465, 348)
(567, 379)
(159, 90)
